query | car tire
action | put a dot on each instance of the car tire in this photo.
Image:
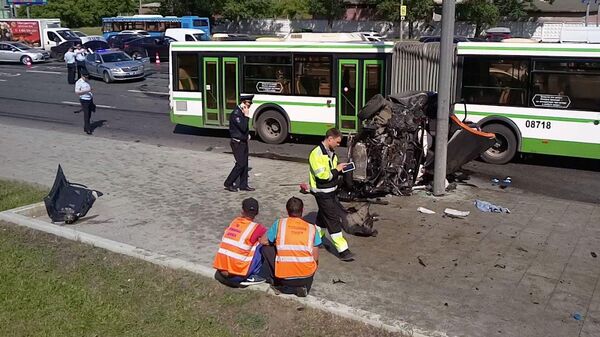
(106, 77)
(372, 107)
(26, 59)
(505, 148)
(272, 127)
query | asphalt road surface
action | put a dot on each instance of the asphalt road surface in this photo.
(39, 97)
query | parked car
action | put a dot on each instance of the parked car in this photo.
(134, 31)
(149, 47)
(497, 34)
(113, 65)
(118, 40)
(59, 51)
(457, 39)
(20, 52)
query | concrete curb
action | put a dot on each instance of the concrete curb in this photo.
(17, 216)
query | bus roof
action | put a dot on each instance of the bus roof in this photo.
(529, 49)
(285, 46)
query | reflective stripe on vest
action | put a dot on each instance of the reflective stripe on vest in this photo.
(294, 242)
(235, 254)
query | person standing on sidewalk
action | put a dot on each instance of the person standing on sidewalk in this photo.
(80, 59)
(84, 90)
(239, 131)
(323, 174)
(292, 262)
(71, 65)
(239, 260)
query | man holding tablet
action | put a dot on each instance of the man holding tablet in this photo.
(323, 174)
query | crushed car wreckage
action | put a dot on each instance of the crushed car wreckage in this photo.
(392, 150)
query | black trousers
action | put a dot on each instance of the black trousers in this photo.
(283, 285)
(240, 170)
(330, 212)
(88, 107)
(81, 69)
(71, 68)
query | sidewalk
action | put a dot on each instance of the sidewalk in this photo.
(519, 274)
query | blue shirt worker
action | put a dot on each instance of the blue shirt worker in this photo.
(239, 131)
(291, 252)
(71, 65)
(323, 175)
(86, 98)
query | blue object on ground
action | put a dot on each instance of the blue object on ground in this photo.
(577, 316)
(485, 206)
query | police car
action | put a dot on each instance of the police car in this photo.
(113, 65)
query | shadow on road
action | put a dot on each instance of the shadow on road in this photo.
(559, 162)
(98, 124)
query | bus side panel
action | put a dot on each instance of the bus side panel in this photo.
(561, 148)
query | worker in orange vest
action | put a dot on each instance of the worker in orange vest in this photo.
(238, 260)
(292, 262)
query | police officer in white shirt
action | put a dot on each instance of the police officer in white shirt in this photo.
(80, 59)
(84, 90)
(71, 65)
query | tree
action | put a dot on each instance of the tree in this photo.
(291, 9)
(329, 9)
(416, 10)
(247, 9)
(188, 7)
(478, 12)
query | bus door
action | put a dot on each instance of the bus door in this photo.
(358, 81)
(221, 89)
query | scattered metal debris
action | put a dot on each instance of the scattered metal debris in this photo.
(334, 281)
(421, 261)
(594, 255)
(453, 213)
(425, 210)
(522, 249)
(501, 266)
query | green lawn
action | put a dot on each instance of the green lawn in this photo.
(14, 194)
(90, 30)
(54, 287)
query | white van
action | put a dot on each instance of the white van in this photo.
(184, 34)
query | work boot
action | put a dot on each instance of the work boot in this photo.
(301, 292)
(347, 256)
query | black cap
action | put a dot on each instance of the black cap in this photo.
(250, 205)
(246, 98)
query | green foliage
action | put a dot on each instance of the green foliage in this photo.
(247, 9)
(416, 10)
(328, 9)
(79, 13)
(478, 12)
(292, 9)
(188, 7)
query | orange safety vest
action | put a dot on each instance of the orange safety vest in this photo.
(294, 242)
(235, 251)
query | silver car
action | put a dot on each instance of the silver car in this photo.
(113, 65)
(20, 52)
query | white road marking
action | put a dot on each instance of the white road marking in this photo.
(97, 105)
(1, 80)
(10, 74)
(149, 92)
(44, 72)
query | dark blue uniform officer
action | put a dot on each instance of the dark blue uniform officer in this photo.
(240, 134)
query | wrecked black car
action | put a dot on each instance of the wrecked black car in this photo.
(393, 148)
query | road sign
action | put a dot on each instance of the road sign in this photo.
(402, 11)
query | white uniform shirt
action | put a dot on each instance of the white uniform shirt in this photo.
(70, 57)
(80, 55)
(82, 85)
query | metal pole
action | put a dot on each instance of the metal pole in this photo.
(27, 9)
(401, 21)
(444, 85)
(597, 14)
(587, 13)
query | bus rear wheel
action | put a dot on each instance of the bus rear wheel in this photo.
(272, 127)
(505, 148)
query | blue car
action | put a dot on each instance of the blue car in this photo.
(114, 65)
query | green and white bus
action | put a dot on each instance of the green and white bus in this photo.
(536, 97)
(300, 88)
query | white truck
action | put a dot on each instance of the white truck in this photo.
(41, 33)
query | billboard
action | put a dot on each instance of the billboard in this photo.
(26, 2)
(27, 31)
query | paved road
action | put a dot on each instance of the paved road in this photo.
(39, 97)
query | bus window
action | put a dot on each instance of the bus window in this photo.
(107, 27)
(373, 80)
(117, 26)
(139, 25)
(161, 27)
(268, 75)
(200, 23)
(571, 84)
(312, 75)
(152, 26)
(187, 72)
(173, 24)
(495, 81)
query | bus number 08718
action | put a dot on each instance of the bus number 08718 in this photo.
(538, 124)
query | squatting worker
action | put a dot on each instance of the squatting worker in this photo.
(293, 261)
(71, 65)
(240, 134)
(84, 90)
(239, 259)
(324, 171)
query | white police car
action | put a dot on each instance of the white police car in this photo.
(113, 65)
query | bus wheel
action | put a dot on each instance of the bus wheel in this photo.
(506, 145)
(272, 127)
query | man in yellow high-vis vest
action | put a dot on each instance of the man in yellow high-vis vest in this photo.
(324, 173)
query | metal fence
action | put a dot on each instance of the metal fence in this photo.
(416, 67)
